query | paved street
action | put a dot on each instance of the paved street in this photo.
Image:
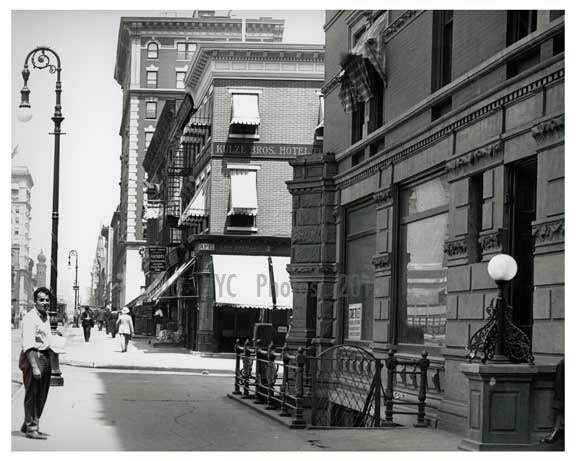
(106, 409)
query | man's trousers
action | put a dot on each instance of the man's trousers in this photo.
(36, 391)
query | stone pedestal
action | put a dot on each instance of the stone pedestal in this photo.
(499, 416)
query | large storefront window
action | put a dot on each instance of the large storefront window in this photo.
(422, 275)
(360, 249)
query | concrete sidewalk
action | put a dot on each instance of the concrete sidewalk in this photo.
(103, 351)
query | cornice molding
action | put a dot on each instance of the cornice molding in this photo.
(349, 178)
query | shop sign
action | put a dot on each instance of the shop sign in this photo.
(205, 247)
(156, 257)
(266, 150)
(355, 321)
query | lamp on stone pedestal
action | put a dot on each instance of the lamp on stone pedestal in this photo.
(499, 403)
(500, 340)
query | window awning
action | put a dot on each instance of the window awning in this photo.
(196, 209)
(321, 114)
(168, 283)
(245, 109)
(243, 196)
(244, 281)
(147, 294)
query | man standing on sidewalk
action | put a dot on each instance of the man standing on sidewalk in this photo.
(87, 322)
(125, 328)
(35, 362)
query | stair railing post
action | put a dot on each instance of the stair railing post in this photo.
(271, 378)
(377, 386)
(284, 388)
(423, 363)
(247, 365)
(389, 393)
(237, 370)
(299, 412)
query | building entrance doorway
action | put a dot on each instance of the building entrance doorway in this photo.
(522, 194)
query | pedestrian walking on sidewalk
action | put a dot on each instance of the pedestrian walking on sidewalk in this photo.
(87, 322)
(35, 362)
(125, 328)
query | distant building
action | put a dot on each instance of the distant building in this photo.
(152, 59)
(41, 269)
(22, 264)
(99, 296)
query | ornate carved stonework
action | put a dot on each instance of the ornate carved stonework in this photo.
(399, 23)
(381, 261)
(489, 151)
(456, 247)
(543, 129)
(383, 197)
(322, 269)
(548, 232)
(491, 241)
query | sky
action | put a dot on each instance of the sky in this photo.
(92, 106)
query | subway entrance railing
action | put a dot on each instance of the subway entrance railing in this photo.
(341, 387)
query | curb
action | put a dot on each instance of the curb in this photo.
(261, 408)
(105, 366)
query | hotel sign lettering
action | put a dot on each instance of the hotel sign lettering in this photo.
(265, 150)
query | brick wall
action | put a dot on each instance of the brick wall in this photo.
(288, 109)
(274, 202)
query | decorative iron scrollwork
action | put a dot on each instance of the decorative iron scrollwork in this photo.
(41, 60)
(515, 344)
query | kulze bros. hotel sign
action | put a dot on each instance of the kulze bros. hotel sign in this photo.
(264, 150)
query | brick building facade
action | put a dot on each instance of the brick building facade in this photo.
(152, 58)
(454, 153)
(250, 109)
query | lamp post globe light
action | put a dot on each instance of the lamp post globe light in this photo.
(76, 287)
(500, 340)
(43, 57)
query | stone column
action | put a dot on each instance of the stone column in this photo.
(313, 258)
(206, 341)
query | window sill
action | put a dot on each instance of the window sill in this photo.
(244, 136)
(241, 229)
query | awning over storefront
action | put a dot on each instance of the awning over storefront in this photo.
(244, 281)
(243, 197)
(196, 209)
(245, 109)
(168, 283)
(146, 295)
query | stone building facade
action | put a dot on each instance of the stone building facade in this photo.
(443, 146)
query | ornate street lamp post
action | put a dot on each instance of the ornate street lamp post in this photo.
(500, 340)
(42, 58)
(76, 287)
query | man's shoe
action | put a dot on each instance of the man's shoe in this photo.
(23, 428)
(554, 436)
(36, 435)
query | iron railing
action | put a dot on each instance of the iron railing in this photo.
(341, 387)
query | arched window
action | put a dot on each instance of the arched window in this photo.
(153, 50)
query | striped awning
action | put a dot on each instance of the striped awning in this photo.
(243, 196)
(196, 209)
(170, 281)
(245, 109)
